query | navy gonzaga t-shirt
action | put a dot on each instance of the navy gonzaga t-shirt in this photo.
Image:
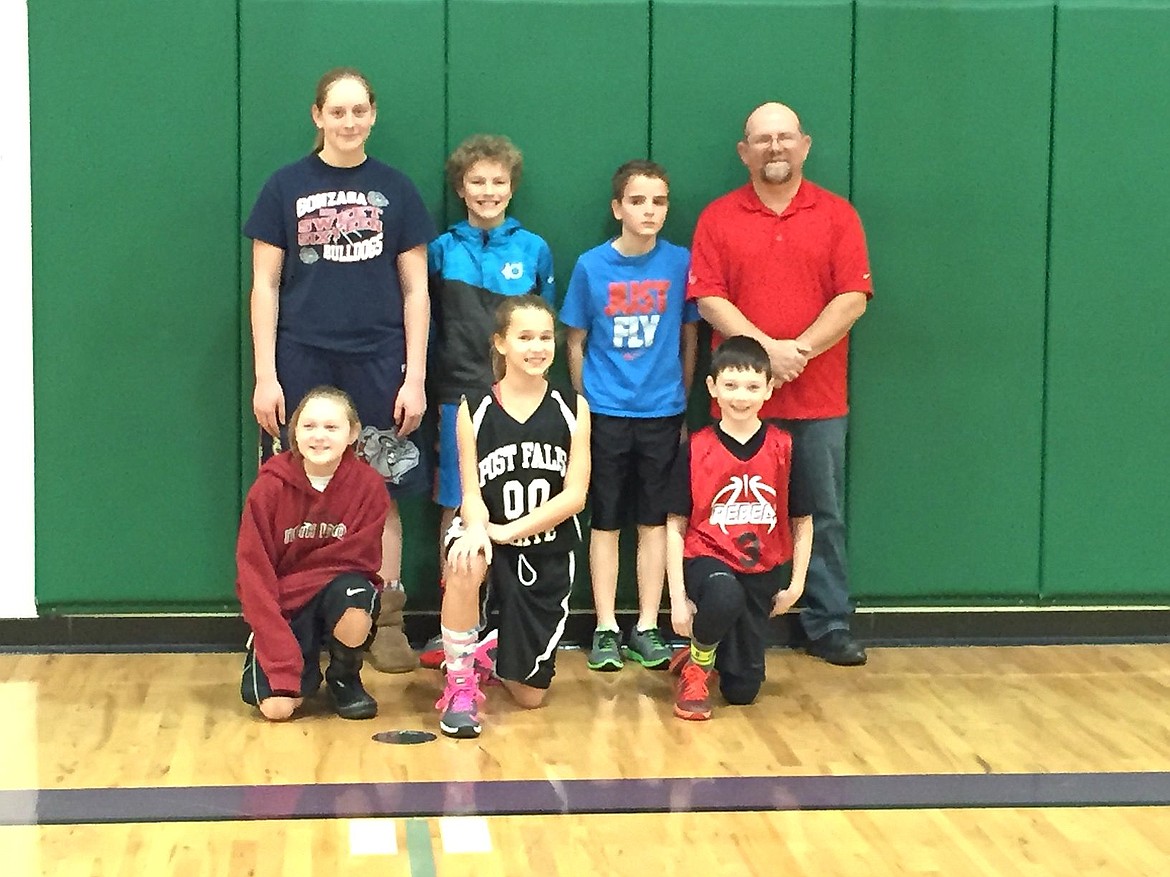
(341, 230)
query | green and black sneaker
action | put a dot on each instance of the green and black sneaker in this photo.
(606, 654)
(647, 648)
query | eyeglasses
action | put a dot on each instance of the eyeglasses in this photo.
(763, 141)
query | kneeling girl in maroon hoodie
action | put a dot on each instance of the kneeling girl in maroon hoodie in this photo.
(307, 561)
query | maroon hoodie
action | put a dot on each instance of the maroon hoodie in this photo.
(294, 540)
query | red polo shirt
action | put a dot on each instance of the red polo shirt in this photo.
(781, 270)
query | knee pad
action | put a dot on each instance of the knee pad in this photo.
(718, 611)
(738, 691)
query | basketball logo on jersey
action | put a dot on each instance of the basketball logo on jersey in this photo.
(745, 500)
(513, 270)
(346, 226)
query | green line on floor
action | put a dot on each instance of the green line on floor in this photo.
(418, 847)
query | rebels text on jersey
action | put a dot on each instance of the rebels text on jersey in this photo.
(740, 508)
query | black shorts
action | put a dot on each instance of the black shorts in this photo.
(632, 459)
(530, 590)
(311, 625)
(740, 655)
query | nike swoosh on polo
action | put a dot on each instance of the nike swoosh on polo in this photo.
(349, 592)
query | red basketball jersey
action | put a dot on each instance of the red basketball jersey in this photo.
(739, 508)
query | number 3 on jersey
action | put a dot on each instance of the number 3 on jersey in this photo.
(749, 547)
(518, 502)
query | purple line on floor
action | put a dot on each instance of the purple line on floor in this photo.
(544, 797)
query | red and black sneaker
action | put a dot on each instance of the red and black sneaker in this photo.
(692, 700)
(678, 660)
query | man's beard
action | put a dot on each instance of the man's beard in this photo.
(779, 171)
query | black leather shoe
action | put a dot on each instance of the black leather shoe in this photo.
(837, 647)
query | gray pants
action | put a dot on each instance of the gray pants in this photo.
(818, 449)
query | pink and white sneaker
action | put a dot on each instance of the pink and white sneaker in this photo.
(460, 706)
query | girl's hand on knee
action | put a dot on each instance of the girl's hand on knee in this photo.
(467, 547)
(278, 709)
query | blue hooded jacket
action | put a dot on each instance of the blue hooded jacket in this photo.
(472, 270)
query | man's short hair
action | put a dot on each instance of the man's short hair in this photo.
(639, 167)
(742, 353)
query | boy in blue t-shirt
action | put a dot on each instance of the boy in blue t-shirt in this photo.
(476, 264)
(631, 352)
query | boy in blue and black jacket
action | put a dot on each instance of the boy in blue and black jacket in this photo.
(473, 266)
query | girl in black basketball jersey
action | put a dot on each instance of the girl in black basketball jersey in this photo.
(524, 468)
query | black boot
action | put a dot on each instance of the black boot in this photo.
(343, 679)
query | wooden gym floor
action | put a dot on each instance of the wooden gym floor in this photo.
(1049, 760)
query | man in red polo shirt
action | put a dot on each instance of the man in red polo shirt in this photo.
(784, 261)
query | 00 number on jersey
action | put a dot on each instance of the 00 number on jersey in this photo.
(514, 496)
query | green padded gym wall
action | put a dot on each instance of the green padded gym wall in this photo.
(939, 116)
(951, 133)
(285, 46)
(572, 95)
(714, 61)
(1106, 504)
(135, 328)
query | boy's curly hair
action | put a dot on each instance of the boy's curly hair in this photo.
(495, 147)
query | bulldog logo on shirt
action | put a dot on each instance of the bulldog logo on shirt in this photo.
(391, 455)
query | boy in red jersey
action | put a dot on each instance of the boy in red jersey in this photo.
(739, 534)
